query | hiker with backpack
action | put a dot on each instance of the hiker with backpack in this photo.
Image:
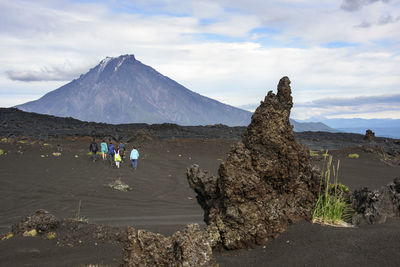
(111, 153)
(104, 149)
(117, 156)
(121, 147)
(93, 148)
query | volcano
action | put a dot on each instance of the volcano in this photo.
(124, 90)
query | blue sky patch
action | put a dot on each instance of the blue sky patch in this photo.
(265, 30)
(208, 21)
(213, 37)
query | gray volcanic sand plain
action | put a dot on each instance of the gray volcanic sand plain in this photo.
(33, 178)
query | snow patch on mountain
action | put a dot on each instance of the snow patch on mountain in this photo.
(121, 61)
(104, 63)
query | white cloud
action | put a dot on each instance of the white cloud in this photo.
(367, 107)
(45, 40)
(65, 72)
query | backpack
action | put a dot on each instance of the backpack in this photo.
(93, 147)
(117, 157)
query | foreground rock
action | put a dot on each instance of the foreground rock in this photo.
(265, 184)
(378, 205)
(41, 220)
(184, 248)
(189, 247)
(119, 185)
(67, 232)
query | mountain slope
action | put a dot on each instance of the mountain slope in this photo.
(123, 90)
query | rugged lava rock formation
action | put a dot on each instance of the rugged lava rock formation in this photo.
(265, 184)
(369, 135)
(378, 205)
(189, 247)
(68, 231)
(42, 221)
(186, 248)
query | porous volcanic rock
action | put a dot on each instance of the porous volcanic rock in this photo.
(68, 231)
(42, 221)
(184, 248)
(266, 182)
(369, 135)
(378, 205)
(119, 185)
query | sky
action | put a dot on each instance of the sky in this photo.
(342, 56)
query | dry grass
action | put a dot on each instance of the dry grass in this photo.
(32, 233)
(51, 235)
(332, 223)
(78, 217)
(7, 236)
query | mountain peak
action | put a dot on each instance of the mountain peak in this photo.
(118, 61)
(127, 56)
(124, 90)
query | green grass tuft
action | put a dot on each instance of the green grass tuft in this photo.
(331, 207)
(314, 153)
(344, 188)
(1, 152)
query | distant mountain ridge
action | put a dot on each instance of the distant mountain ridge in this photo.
(381, 127)
(124, 90)
(311, 127)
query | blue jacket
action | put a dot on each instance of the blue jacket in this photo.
(134, 154)
(111, 149)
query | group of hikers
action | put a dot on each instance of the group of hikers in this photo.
(114, 153)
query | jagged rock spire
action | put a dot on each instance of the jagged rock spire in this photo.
(266, 182)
